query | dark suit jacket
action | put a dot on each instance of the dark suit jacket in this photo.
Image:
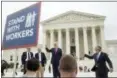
(24, 56)
(100, 64)
(55, 57)
(43, 58)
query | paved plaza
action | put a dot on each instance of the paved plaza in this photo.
(47, 74)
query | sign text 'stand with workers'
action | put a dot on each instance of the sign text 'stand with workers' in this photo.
(21, 28)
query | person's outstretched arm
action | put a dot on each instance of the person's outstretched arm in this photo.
(48, 50)
(88, 56)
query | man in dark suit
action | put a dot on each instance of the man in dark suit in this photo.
(56, 56)
(25, 57)
(40, 56)
(100, 67)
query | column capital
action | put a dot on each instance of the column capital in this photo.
(101, 27)
(93, 27)
(51, 30)
(59, 29)
(76, 29)
(67, 28)
(84, 27)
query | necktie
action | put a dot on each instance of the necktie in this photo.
(55, 50)
(29, 57)
(97, 56)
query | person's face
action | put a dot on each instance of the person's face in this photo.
(39, 50)
(55, 45)
(28, 49)
(97, 49)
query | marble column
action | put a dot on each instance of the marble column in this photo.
(51, 38)
(44, 40)
(67, 41)
(60, 38)
(77, 42)
(102, 38)
(85, 40)
(94, 41)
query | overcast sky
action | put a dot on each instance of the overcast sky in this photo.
(50, 9)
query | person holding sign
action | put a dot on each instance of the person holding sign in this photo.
(56, 56)
(25, 57)
(40, 56)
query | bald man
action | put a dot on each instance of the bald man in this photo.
(68, 66)
(100, 67)
(56, 56)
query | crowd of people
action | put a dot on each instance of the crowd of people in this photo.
(63, 65)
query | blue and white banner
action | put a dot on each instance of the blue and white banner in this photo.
(21, 29)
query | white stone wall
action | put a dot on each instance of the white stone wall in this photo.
(112, 52)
